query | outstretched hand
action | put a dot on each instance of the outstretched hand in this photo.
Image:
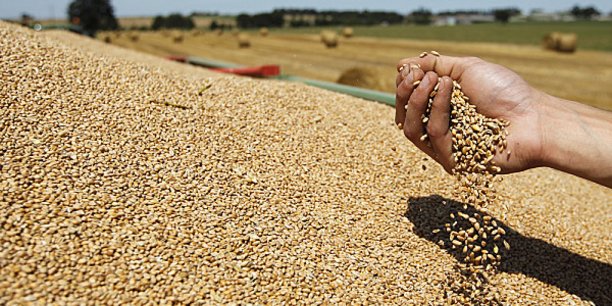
(496, 91)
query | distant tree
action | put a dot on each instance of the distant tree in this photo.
(421, 16)
(214, 25)
(462, 12)
(92, 15)
(158, 23)
(26, 19)
(271, 20)
(243, 21)
(204, 14)
(172, 21)
(177, 21)
(576, 11)
(584, 13)
(309, 17)
(503, 15)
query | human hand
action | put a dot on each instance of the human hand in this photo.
(496, 91)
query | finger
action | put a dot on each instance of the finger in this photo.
(438, 124)
(398, 79)
(400, 76)
(442, 65)
(417, 104)
(403, 92)
(401, 67)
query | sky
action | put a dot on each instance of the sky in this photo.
(45, 9)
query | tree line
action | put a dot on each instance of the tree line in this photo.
(311, 17)
(89, 16)
(586, 12)
(274, 19)
(422, 16)
(172, 21)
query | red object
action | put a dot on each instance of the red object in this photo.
(259, 71)
(177, 58)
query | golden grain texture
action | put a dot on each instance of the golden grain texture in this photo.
(103, 50)
(122, 182)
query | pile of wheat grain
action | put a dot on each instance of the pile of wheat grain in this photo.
(160, 65)
(122, 182)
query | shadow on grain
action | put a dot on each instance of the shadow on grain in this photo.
(587, 278)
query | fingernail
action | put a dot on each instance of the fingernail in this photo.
(408, 76)
(425, 82)
(405, 72)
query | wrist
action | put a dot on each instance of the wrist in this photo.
(558, 132)
(545, 154)
(574, 139)
(537, 132)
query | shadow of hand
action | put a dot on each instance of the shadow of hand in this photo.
(587, 278)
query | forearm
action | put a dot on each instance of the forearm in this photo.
(577, 139)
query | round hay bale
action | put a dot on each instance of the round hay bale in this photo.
(347, 32)
(549, 41)
(363, 77)
(560, 42)
(134, 37)
(243, 41)
(178, 38)
(567, 42)
(264, 31)
(329, 38)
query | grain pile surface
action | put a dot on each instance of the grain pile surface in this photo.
(121, 182)
(107, 50)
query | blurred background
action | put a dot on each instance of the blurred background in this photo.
(552, 44)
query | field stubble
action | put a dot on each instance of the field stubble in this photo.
(570, 76)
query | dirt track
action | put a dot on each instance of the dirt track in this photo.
(571, 76)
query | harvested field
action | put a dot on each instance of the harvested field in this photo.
(594, 35)
(569, 76)
(123, 180)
